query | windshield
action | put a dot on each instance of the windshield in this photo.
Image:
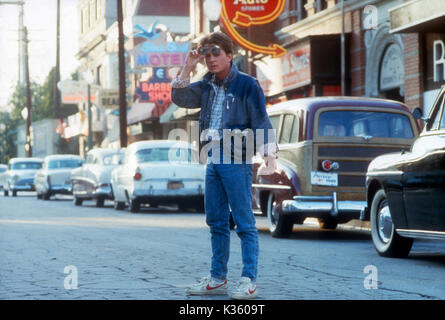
(364, 123)
(65, 163)
(26, 165)
(166, 155)
(110, 159)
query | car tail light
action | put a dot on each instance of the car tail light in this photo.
(328, 165)
(137, 175)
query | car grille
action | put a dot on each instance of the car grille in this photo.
(353, 161)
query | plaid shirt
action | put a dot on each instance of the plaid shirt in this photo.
(217, 106)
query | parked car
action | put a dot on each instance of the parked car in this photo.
(325, 147)
(3, 168)
(20, 175)
(405, 190)
(159, 172)
(55, 175)
(92, 180)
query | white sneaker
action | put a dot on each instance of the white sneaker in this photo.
(245, 290)
(208, 285)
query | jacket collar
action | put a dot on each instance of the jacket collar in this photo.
(209, 77)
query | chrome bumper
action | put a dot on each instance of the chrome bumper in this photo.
(322, 204)
(167, 192)
(61, 187)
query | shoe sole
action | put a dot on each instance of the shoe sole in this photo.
(204, 293)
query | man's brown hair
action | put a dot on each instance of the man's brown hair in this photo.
(220, 39)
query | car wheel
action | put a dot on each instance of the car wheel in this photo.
(119, 205)
(280, 225)
(14, 193)
(77, 201)
(328, 223)
(133, 205)
(46, 196)
(384, 236)
(39, 196)
(6, 192)
(100, 202)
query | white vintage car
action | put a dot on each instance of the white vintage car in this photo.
(55, 175)
(159, 172)
(20, 175)
(3, 168)
(92, 180)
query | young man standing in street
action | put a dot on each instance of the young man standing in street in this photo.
(229, 100)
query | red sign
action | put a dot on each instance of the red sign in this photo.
(246, 13)
(253, 12)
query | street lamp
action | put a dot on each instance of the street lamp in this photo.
(212, 9)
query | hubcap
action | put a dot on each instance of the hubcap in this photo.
(384, 223)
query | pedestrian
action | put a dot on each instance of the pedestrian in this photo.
(229, 100)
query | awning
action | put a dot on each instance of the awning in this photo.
(418, 16)
(186, 114)
(176, 113)
(139, 112)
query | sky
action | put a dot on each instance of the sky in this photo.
(40, 19)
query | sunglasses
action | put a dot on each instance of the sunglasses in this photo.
(215, 50)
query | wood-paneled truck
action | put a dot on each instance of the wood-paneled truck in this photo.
(325, 147)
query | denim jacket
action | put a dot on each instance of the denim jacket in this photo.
(244, 105)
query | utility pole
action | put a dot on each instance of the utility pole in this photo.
(122, 85)
(28, 146)
(57, 100)
(342, 44)
(21, 62)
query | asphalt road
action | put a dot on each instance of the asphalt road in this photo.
(54, 250)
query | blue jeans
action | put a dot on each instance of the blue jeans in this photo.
(230, 184)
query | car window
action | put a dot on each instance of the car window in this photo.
(286, 131)
(275, 120)
(26, 165)
(364, 123)
(90, 159)
(166, 155)
(295, 131)
(117, 158)
(437, 119)
(2, 169)
(65, 163)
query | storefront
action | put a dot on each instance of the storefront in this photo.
(422, 25)
(304, 71)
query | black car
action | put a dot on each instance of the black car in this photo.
(406, 190)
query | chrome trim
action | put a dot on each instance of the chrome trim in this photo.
(270, 186)
(384, 173)
(434, 235)
(322, 204)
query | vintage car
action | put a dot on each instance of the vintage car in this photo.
(3, 168)
(325, 146)
(55, 175)
(20, 175)
(159, 172)
(406, 190)
(92, 180)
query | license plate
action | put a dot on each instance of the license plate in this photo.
(175, 185)
(324, 179)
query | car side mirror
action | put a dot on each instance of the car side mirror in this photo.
(418, 114)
